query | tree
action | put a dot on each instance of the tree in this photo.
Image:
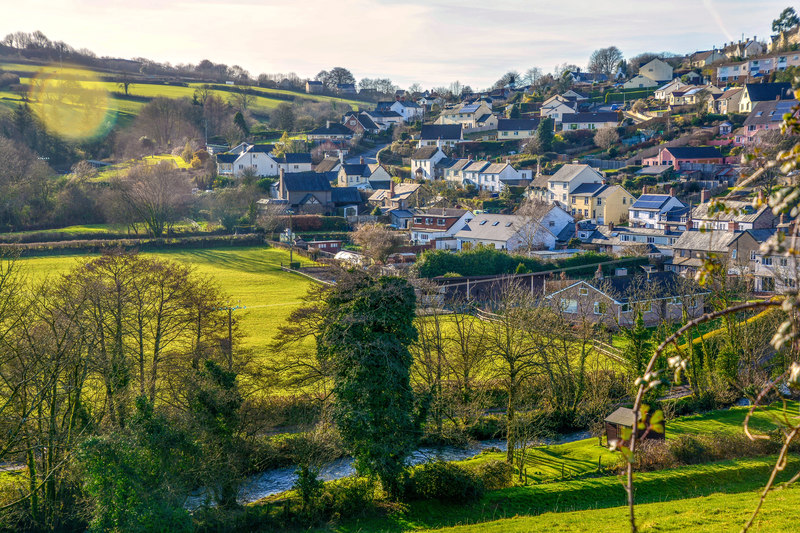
(605, 60)
(787, 20)
(531, 215)
(242, 98)
(125, 81)
(509, 79)
(605, 138)
(241, 123)
(545, 134)
(368, 327)
(533, 75)
(377, 241)
(228, 206)
(283, 118)
(335, 76)
(155, 194)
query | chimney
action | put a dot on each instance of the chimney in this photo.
(396, 98)
(361, 160)
(704, 196)
(644, 189)
(341, 157)
(672, 191)
(328, 124)
(391, 189)
(733, 226)
(599, 273)
(610, 226)
(281, 185)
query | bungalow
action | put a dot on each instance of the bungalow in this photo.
(663, 92)
(619, 299)
(363, 176)
(423, 162)
(655, 243)
(764, 117)
(656, 70)
(647, 209)
(513, 232)
(509, 128)
(675, 155)
(589, 121)
(438, 226)
(330, 132)
(440, 135)
(640, 81)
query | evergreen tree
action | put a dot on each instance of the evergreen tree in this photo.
(544, 134)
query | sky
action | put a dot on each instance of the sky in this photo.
(430, 42)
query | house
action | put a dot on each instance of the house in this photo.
(225, 164)
(384, 118)
(294, 162)
(655, 243)
(675, 155)
(656, 70)
(363, 176)
(451, 169)
(400, 218)
(706, 58)
(440, 135)
(763, 92)
(600, 202)
(330, 132)
(256, 158)
(329, 164)
(620, 423)
(438, 226)
(765, 116)
(468, 116)
(559, 186)
(423, 162)
(640, 81)
(619, 299)
(430, 101)
(663, 92)
(589, 121)
(741, 216)
(727, 102)
(744, 49)
(648, 208)
(329, 246)
(360, 123)
(734, 248)
(396, 196)
(513, 232)
(409, 110)
(346, 88)
(314, 87)
(492, 177)
(587, 78)
(305, 192)
(556, 107)
(511, 128)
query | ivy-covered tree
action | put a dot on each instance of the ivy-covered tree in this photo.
(545, 135)
(368, 328)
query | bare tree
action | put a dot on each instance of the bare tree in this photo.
(605, 60)
(531, 223)
(605, 138)
(377, 241)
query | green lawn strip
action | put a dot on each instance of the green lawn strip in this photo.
(715, 513)
(737, 476)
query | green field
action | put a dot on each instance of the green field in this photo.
(126, 109)
(250, 276)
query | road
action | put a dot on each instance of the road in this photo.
(370, 156)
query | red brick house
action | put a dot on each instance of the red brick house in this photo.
(676, 155)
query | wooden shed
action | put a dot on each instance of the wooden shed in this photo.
(623, 418)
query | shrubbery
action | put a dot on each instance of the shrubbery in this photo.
(443, 481)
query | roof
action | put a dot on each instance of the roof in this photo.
(476, 166)
(333, 129)
(517, 124)
(226, 158)
(491, 227)
(441, 212)
(746, 212)
(622, 417)
(484, 117)
(306, 181)
(569, 171)
(760, 92)
(769, 112)
(425, 152)
(260, 148)
(469, 108)
(379, 183)
(457, 164)
(367, 122)
(590, 117)
(407, 103)
(709, 241)
(327, 164)
(654, 170)
(651, 201)
(588, 189)
(401, 191)
(694, 152)
(312, 82)
(296, 158)
(432, 132)
(345, 195)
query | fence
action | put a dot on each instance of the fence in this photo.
(605, 164)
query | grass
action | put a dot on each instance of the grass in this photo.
(726, 477)
(250, 276)
(712, 514)
(111, 171)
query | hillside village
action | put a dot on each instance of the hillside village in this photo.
(566, 301)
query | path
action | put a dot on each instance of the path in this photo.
(370, 156)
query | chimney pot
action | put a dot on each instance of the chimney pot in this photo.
(361, 160)
(704, 196)
(328, 124)
(391, 189)
(672, 191)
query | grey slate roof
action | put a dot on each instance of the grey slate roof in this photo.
(327, 164)
(707, 241)
(491, 227)
(306, 181)
(578, 118)
(761, 92)
(569, 171)
(425, 152)
(622, 417)
(769, 112)
(694, 152)
(432, 132)
(345, 195)
(227, 158)
(746, 212)
(297, 158)
(517, 124)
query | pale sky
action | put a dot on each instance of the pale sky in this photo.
(433, 42)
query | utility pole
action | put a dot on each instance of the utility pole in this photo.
(230, 309)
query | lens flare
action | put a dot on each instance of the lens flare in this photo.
(72, 105)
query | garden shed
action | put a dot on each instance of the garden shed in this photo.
(623, 418)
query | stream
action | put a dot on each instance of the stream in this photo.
(278, 480)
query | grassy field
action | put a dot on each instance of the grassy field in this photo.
(126, 108)
(712, 514)
(250, 276)
(608, 493)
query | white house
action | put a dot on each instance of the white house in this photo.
(360, 175)
(647, 210)
(255, 157)
(568, 178)
(423, 162)
(589, 121)
(657, 70)
(410, 111)
(511, 232)
(438, 226)
(640, 82)
(663, 92)
(556, 107)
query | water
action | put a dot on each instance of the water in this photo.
(280, 480)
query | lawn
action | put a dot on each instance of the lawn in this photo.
(718, 512)
(250, 276)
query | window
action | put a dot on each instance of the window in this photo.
(417, 220)
(440, 222)
(424, 236)
(752, 255)
(585, 201)
(574, 200)
(569, 306)
(734, 254)
(552, 223)
(495, 223)
(625, 308)
(599, 308)
(623, 200)
(766, 261)
(692, 303)
(583, 291)
(784, 262)
(651, 240)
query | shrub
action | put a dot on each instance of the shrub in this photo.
(444, 481)
(688, 450)
(494, 475)
(350, 496)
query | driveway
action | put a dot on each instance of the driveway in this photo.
(370, 156)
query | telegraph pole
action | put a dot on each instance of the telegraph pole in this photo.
(230, 309)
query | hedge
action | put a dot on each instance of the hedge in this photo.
(315, 223)
(486, 261)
